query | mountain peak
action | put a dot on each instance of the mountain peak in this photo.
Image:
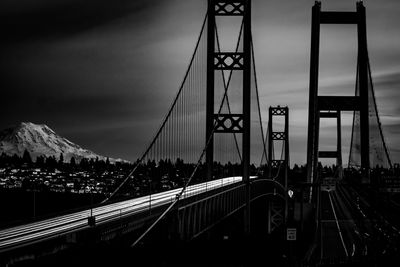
(40, 139)
(32, 127)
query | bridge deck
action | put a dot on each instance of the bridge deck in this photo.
(35, 232)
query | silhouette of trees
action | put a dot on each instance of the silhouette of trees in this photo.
(51, 163)
(3, 159)
(164, 174)
(72, 162)
(61, 159)
(40, 161)
(26, 157)
(16, 160)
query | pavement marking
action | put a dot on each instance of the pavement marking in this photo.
(337, 224)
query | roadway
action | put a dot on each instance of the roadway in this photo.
(338, 229)
(350, 229)
(22, 235)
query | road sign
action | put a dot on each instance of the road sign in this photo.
(291, 234)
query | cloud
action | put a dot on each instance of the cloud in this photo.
(27, 20)
(105, 72)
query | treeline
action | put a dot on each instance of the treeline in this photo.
(51, 163)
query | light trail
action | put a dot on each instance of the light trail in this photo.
(45, 229)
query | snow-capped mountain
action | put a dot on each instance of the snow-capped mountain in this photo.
(39, 139)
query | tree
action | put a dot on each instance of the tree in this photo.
(91, 163)
(3, 159)
(296, 167)
(40, 160)
(51, 162)
(15, 160)
(26, 157)
(84, 163)
(72, 162)
(61, 159)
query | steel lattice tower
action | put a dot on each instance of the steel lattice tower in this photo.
(277, 210)
(231, 61)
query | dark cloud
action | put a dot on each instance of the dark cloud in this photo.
(22, 20)
(388, 82)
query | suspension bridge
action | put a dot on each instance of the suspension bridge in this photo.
(234, 165)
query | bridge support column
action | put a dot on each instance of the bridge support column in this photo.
(210, 89)
(363, 82)
(337, 103)
(230, 61)
(246, 107)
(278, 168)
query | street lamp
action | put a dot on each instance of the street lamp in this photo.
(150, 194)
(290, 193)
(34, 200)
(91, 201)
(91, 218)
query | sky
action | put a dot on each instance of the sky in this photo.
(103, 73)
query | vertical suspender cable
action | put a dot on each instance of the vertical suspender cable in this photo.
(354, 120)
(209, 138)
(377, 116)
(227, 83)
(165, 119)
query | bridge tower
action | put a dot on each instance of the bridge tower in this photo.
(318, 105)
(278, 168)
(229, 61)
